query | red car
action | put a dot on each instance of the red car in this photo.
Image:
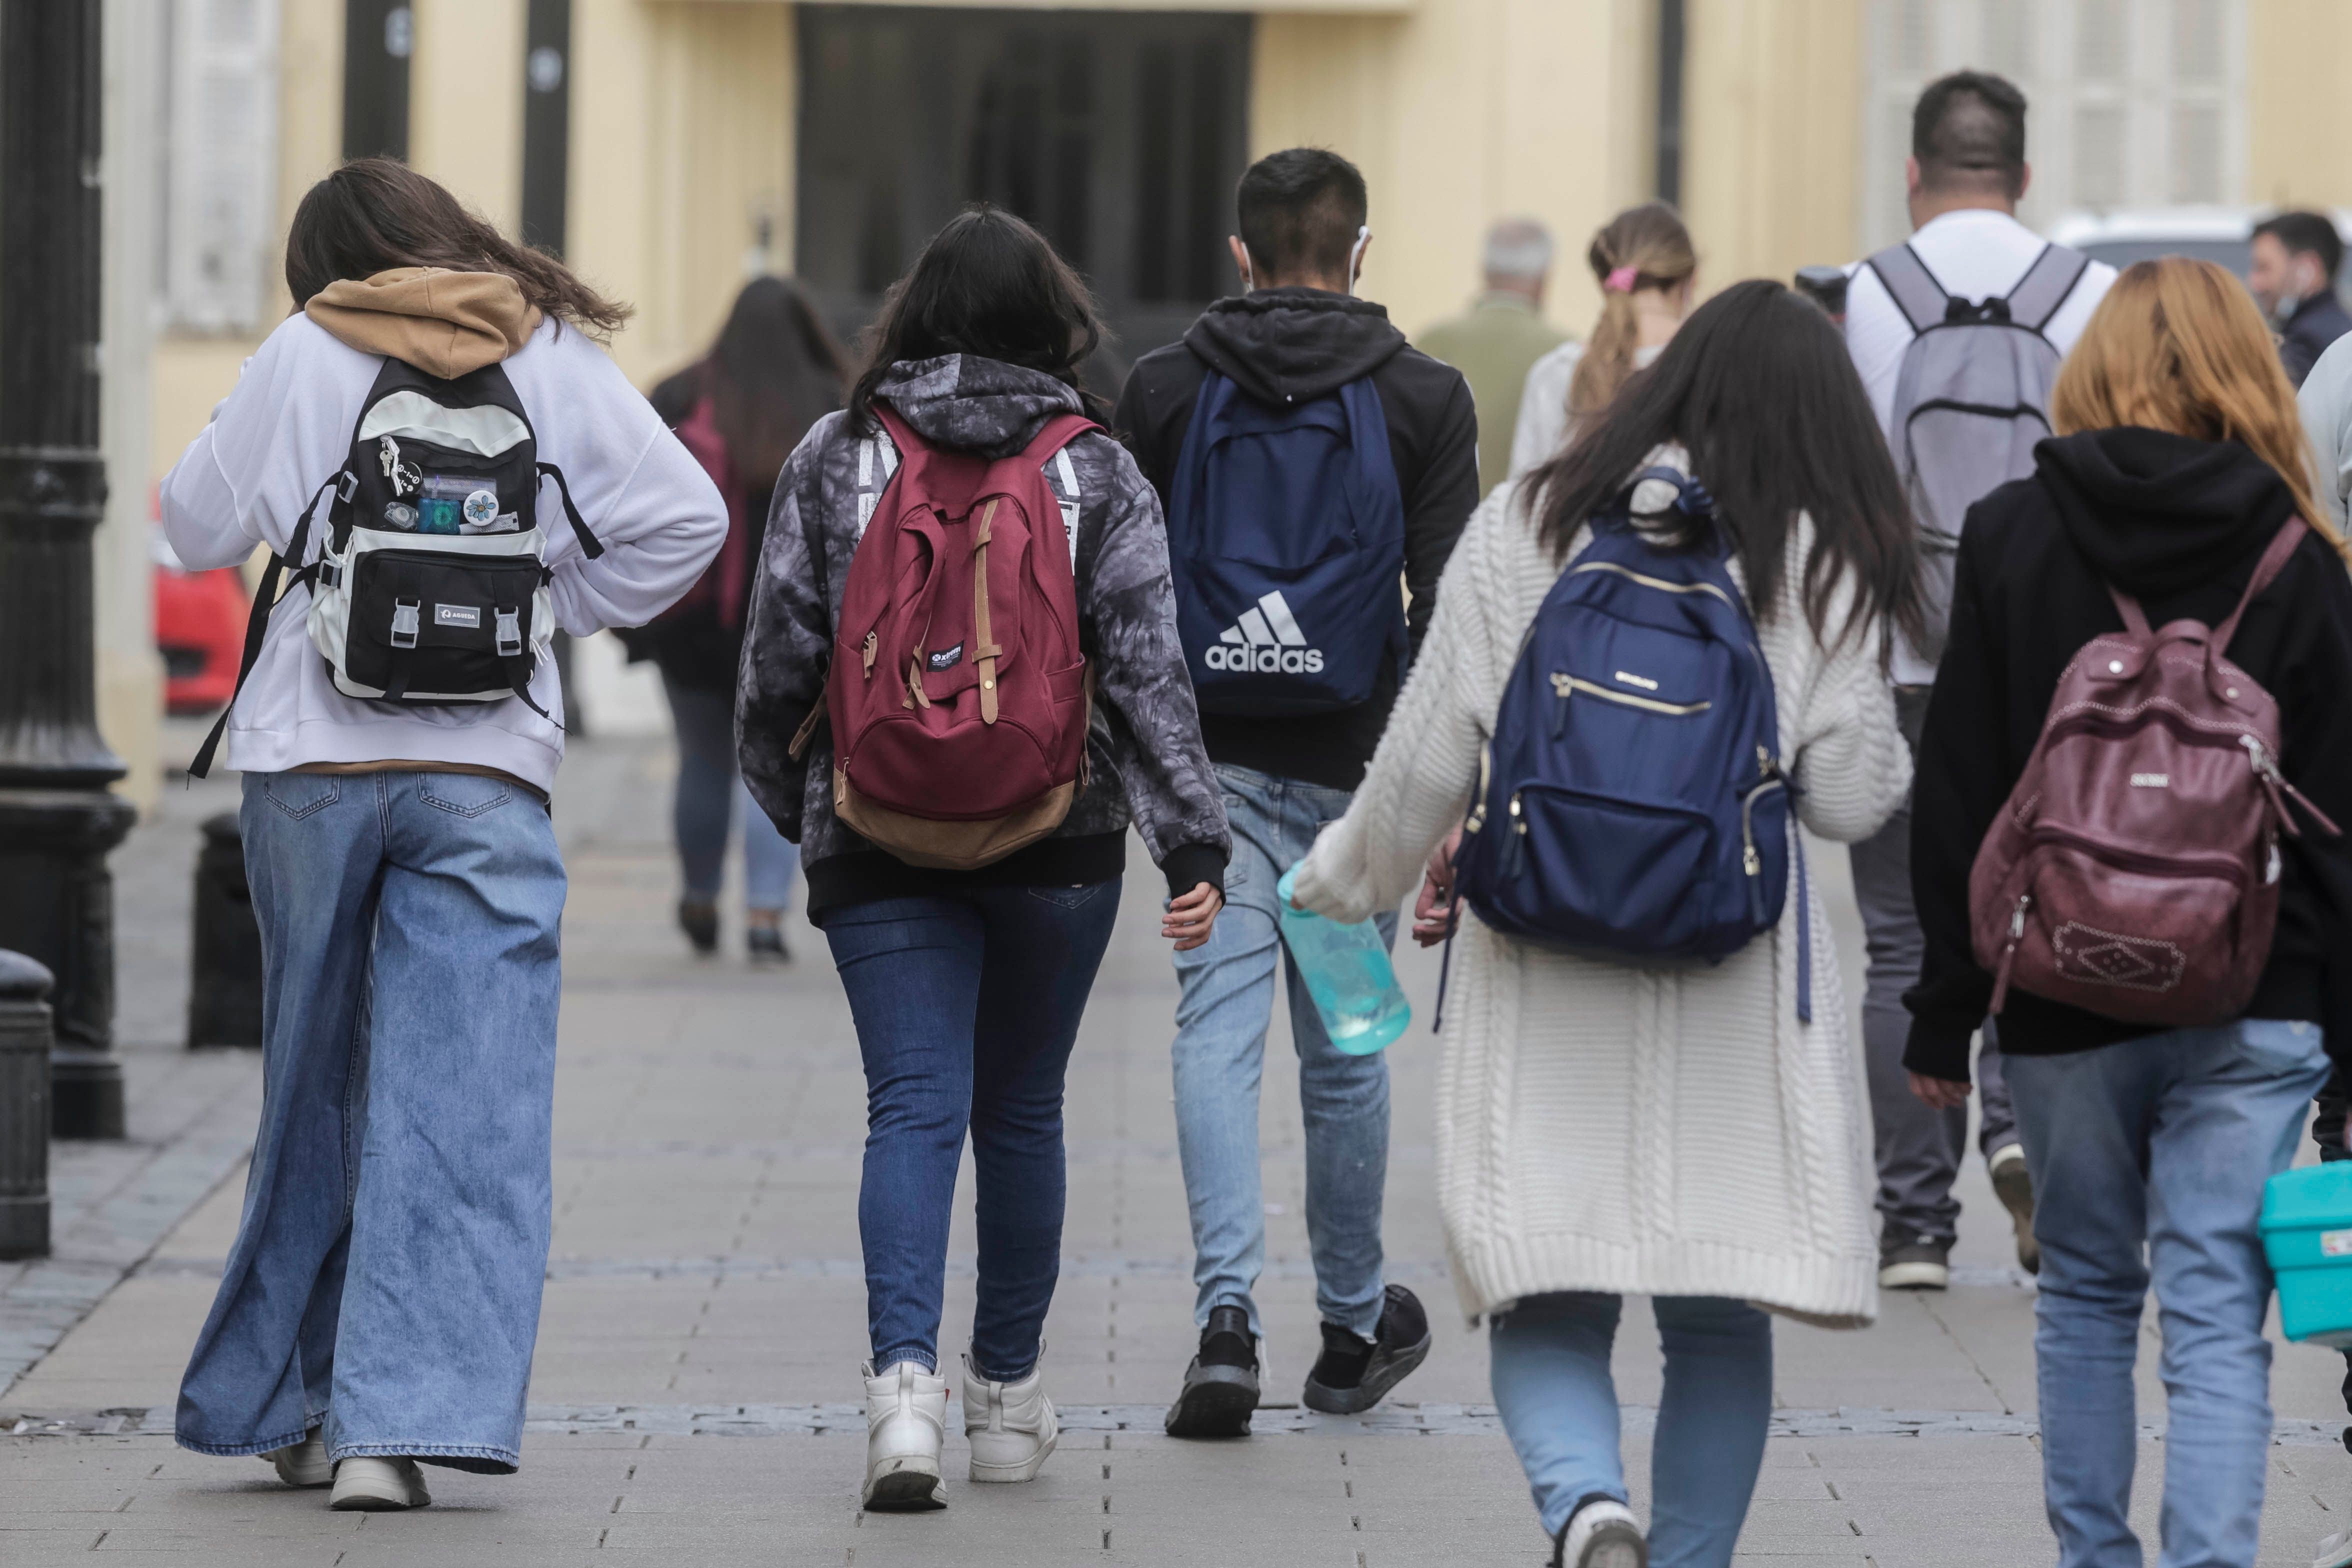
(200, 630)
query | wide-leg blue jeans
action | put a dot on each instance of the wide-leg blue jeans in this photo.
(385, 1280)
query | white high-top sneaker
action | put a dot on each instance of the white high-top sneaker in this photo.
(1010, 1426)
(905, 1423)
(304, 1464)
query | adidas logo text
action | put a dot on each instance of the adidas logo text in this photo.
(1265, 641)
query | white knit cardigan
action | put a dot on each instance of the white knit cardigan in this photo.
(1603, 1126)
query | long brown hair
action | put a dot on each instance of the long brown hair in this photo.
(2178, 345)
(776, 370)
(376, 213)
(1757, 387)
(1652, 241)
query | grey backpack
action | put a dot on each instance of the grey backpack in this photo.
(1970, 401)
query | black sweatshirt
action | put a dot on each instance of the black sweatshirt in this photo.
(2177, 523)
(1282, 345)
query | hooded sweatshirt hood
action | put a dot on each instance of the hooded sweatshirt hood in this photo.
(975, 405)
(1286, 345)
(2157, 514)
(444, 323)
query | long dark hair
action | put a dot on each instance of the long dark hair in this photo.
(987, 284)
(376, 213)
(1757, 387)
(775, 371)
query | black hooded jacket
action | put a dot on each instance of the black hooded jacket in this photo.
(2177, 523)
(1282, 345)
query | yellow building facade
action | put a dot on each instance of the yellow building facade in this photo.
(685, 143)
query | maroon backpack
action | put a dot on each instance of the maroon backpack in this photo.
(958, 696)
(2134, 871)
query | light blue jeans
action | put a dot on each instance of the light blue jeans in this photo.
(385, 1280)
(1558, 1403)
(711, 797)
(1221, 1018)
(2149, 1156)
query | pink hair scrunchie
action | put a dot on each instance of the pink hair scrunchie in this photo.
(1621, 280)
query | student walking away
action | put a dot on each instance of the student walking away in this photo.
(2291, 272)
(961, 683)
(1648, 273)
(2126, 846)
(1499, 339)
(1308, 456)
(452, 468)
(1656, 654)
(1973, 313)
(740, 410)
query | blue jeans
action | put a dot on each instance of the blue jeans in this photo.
(2149, 1156)
(1221, 1016)
(710, 794)
(967, 1006)
(385, 1280)
(1558, 1403)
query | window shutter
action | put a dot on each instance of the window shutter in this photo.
(221, 171)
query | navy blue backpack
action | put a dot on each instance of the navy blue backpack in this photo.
(1286, 535)
(1633, 804)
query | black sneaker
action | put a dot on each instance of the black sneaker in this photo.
(1352, 1376)
(1909, 1261)
(1221, 1385)
(765, 944)
(699, 921)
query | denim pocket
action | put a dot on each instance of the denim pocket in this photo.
(2280, 1046)
(1070, 898)
(463, 794)
(302, 795)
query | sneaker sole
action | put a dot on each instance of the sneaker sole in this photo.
(1916, 1277)
(369, 1498)
(1216, 1408)
(1372, 1391)
(2014, 1187)
(1027, 1470)
(909, 1487)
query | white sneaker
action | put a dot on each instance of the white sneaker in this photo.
(1602, 1534)
(1010, 1426)
(303, 1464)
(905, 1423)
(366, 1484)
(2336, 1552)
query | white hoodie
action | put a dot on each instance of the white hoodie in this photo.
(287, 427)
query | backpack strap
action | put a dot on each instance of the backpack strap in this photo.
(264, 605)
(1053, 436)
(2046, 287)
(2266, 570)
(588, 545)
(1911, 286)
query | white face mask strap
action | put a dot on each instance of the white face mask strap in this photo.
(1356, 257)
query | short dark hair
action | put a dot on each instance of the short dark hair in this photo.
(1968, 128)
(1299, 211)
(2306, 234)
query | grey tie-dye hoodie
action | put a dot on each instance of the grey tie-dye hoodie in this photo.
(1149, 765)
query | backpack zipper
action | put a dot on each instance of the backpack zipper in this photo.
(2274, 784)
(1648, 582)
(1749, 860)
(1565, 685)
(1515, 854)
(2008, 953)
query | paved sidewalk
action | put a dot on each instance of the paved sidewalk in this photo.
(697, 1368)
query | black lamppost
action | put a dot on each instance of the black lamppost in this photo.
(57, 818)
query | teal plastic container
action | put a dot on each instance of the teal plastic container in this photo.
(1348, 973)
(2307, 1235)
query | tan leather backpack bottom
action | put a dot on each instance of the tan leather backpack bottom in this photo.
(949, 845)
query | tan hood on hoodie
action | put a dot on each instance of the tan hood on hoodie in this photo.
(443, 322)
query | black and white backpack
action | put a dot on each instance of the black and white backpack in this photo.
(430, 585)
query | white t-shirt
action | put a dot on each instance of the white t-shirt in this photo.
(1543, 402)
(1976, 253)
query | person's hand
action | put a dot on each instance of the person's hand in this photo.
(1189, 918)
(1943, 1093)
(1432, 911)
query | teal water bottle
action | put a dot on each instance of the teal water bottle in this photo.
(1348, 973)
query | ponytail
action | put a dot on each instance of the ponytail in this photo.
(1642, 248)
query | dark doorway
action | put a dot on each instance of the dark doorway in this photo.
(546, 123)
(1120, 134)
(378, 36)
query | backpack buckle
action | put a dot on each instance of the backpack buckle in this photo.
(404, 623)
(509, 633)
(347, 485)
